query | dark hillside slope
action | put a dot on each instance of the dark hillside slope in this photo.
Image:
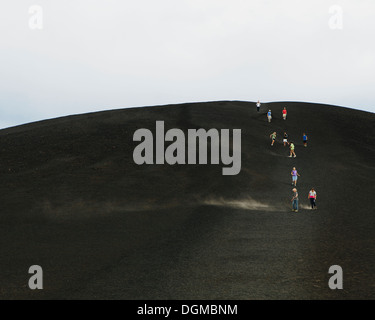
(74, 202)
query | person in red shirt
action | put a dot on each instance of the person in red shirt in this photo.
(284, 113)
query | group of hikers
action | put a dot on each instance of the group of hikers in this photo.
(311, 196)
(286, 142)
(294, 173)
(269, 113)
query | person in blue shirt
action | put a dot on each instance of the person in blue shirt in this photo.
(304, 140)
(269, 115)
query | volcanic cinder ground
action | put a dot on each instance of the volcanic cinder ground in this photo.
(73, 201)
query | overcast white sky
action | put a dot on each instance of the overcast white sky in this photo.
(94, 55)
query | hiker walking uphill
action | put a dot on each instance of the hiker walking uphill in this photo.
(258, 106)
(295, 200)
(295, 176)
(269, 115)
(292, 153)
(312, 198)
(273, 137)
(284, 113)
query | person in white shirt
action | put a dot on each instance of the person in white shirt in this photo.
(258, 105)
(312, 197)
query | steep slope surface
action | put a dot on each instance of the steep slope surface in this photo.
(74, 202)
